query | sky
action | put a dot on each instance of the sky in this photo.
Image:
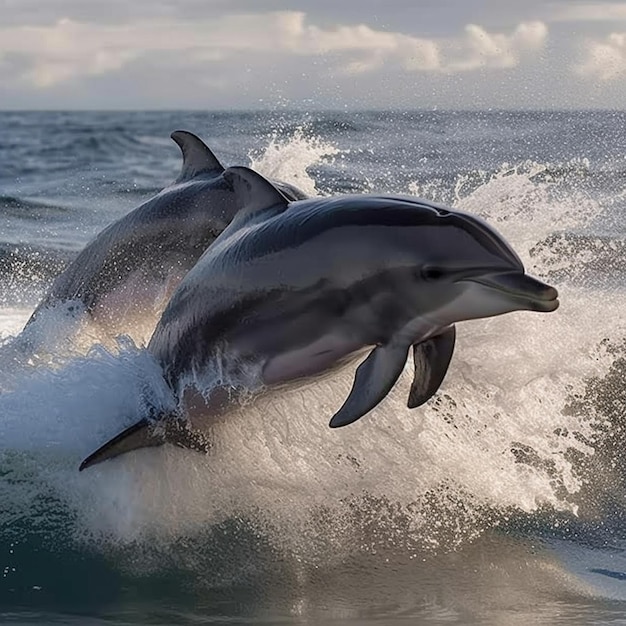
(312, 54)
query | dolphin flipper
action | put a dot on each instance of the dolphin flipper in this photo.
(374, 379)
(431, 359)
(197, 157)
(146, 433)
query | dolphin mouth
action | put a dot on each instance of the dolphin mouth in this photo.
(525, 289)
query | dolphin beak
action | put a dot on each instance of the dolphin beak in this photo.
(537, 296)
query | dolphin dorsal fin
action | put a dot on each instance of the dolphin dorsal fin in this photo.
(255, 194)
(197, 157)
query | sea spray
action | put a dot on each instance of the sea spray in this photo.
(290, 158)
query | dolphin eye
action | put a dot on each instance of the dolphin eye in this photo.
(431, 273)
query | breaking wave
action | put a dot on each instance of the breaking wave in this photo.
(524, 419)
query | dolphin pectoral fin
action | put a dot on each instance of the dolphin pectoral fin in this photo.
(374, 379)
(197, 157)
(431, 359)
(148, 433)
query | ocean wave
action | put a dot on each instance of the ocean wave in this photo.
(27, 208)
(524, 439)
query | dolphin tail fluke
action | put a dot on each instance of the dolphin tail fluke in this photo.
(146, 433)
(139, 435)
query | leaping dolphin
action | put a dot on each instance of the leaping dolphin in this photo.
(291, 291)
(128, 271)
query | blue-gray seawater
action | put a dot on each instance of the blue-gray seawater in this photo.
(501, 501)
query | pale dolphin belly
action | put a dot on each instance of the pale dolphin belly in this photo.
(329, 351)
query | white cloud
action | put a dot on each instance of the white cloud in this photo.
(482, 49)
(604, 60)
(67, 50)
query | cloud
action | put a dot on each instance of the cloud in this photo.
(475, 49)
(48, 55)
(604, 60)
(482, 49)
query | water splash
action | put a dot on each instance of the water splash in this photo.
(290, 158)
(539, 207)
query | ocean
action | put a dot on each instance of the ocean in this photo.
(501, 501)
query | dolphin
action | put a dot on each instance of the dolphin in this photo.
(291, 291)
(128, 271)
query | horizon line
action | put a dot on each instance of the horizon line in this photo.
(319, 110)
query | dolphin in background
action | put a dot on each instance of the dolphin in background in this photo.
(291, 291)
(124, 277)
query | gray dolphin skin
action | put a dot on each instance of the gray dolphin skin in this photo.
(291, 291)
(129, 270)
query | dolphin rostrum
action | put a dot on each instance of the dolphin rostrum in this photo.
(291, 291)
(128, 271)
